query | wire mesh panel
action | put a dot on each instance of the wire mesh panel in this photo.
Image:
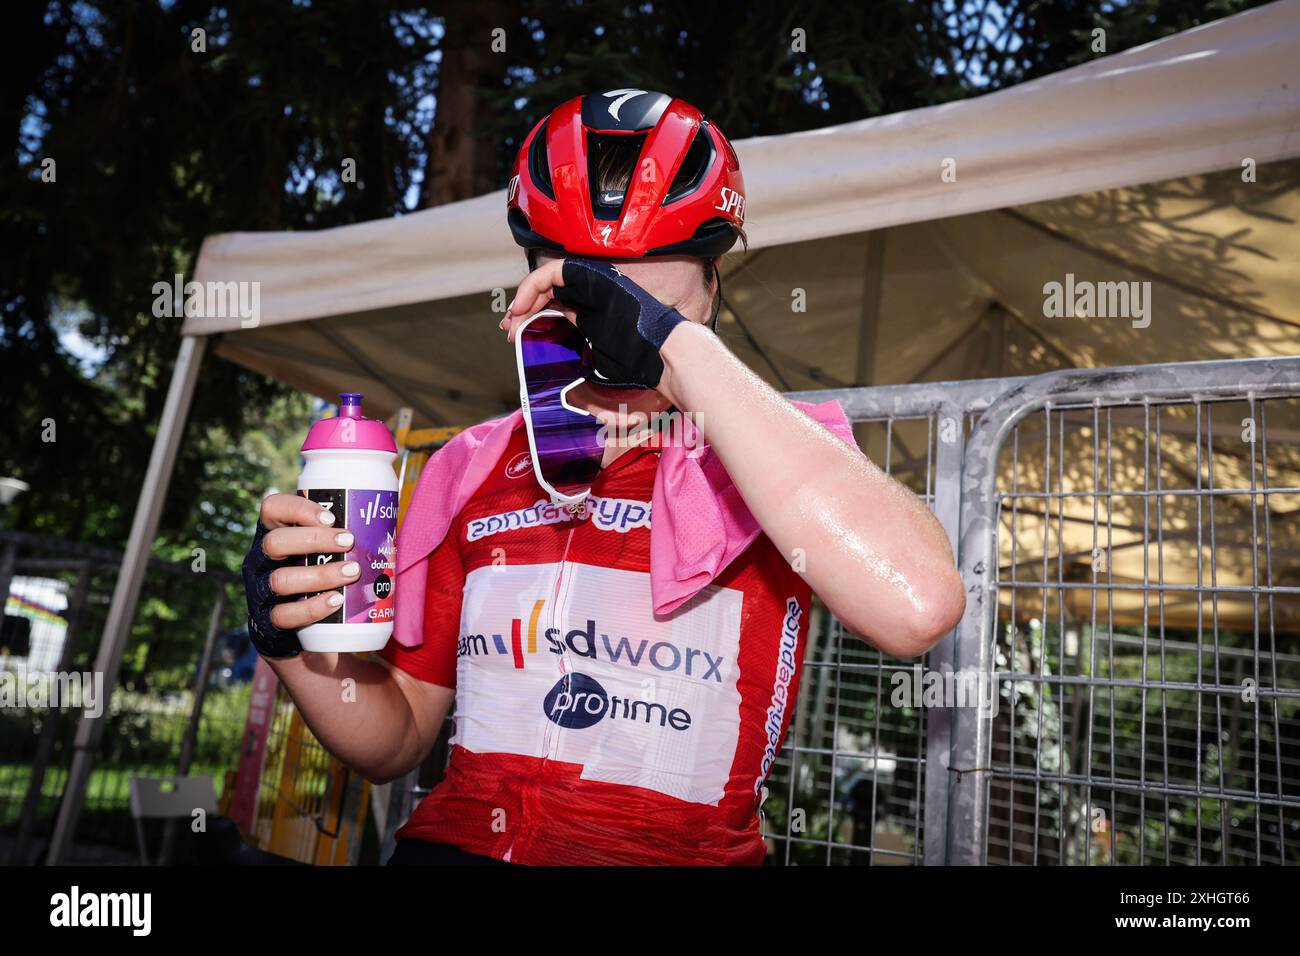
(849, 787)
(1148, 638)
(149, 711)
(1146, 629)
(58, 598)
(48, 607)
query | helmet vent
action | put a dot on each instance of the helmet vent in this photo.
(539, 166)
(695, 166)
(611, 164)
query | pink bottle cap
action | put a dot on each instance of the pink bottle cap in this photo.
(349, 431)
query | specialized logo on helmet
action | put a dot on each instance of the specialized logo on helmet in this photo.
(512, 189)
(623, 97)
(731, 203)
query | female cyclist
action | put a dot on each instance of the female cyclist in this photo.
(623, 672)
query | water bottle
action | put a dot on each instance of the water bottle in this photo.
(350, 471)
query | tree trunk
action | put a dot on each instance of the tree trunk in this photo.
(460, 163)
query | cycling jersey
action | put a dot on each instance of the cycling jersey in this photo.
(588, 729)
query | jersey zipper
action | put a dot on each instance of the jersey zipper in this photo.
(550, 742)
(558, 595)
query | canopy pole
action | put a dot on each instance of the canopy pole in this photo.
(873, 287)
(126, 593)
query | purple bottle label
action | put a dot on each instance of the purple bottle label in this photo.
(371, 516)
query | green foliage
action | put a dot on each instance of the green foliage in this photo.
(156, 147)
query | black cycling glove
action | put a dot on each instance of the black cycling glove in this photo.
(625, 325)
(268, 640)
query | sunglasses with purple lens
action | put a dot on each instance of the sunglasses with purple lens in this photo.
(566, 442)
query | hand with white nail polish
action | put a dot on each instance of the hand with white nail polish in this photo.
(290, 528)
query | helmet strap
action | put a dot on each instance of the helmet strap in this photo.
(717, 298)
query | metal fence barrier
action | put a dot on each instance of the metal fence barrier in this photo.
(173, 711)
(1130, 544)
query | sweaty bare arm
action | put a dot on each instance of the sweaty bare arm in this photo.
(377, 719)
(382, 725)
(874, 553)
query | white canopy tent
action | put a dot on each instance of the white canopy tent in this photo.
(1099, 171)
(918, 245)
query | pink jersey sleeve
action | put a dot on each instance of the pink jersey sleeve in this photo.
(434, 660)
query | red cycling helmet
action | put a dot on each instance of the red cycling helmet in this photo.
(686, 195)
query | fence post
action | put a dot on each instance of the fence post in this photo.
(7, 562)
(196, 713)
(946, 506)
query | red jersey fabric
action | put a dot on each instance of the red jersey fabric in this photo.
(589, 730)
